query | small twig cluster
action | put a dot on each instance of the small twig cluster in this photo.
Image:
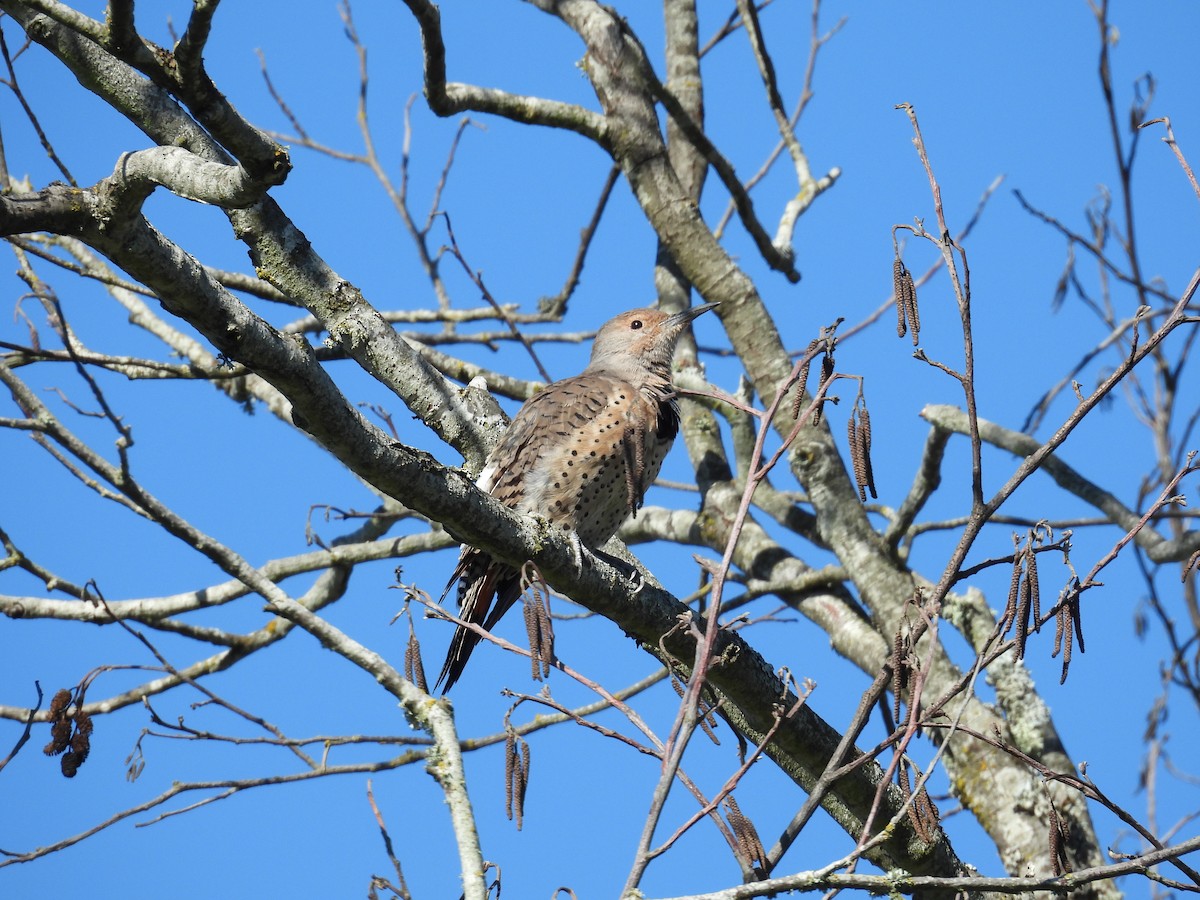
(377, 881)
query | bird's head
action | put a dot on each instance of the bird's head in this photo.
(641, 339)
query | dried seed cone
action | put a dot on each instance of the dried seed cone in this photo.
(60, 737)
(59, 703)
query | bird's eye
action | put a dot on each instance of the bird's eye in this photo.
(635, 324)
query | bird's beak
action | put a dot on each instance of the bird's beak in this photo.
(682, 318)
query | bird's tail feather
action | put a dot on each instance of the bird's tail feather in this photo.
(487, 590)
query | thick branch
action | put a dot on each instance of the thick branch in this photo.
(187, 175)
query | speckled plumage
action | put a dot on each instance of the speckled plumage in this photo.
(580, 454)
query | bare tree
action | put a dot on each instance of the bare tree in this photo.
(780, 506)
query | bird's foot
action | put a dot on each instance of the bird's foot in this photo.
(633, 575)
(637, 581)
(578, 551)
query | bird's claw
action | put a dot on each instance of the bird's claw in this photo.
(637, 581)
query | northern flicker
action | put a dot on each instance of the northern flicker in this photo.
(580, 454)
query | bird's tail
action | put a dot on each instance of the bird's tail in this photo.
(486, 591)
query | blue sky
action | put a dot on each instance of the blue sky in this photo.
(1004, 89)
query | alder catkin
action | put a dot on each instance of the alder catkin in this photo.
(545, 636)
(910, 307)
(1066, 663)
(898, 273)
(1031, 573)
(1024, 607)
(899, 671)
(854, 436)
(745, 832)
(801, 386)
(510, 766)
(414, 667)
(826, 374)
(531, 635)
(1014, 587)
(864, 431)
(1056, 849)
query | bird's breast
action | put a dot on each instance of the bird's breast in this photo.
(580, 477)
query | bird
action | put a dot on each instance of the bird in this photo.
(580, 454)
